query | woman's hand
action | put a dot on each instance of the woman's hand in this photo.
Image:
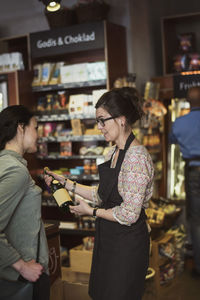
(48, 178)
(81, 209)
(29, 270)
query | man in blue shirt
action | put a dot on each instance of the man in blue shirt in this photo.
(186, 133)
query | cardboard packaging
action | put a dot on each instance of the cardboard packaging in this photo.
(80, 259)
(75, 285)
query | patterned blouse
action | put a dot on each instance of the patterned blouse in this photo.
(135, 184)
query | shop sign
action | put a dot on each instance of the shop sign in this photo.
(67, 40)
(183, 82)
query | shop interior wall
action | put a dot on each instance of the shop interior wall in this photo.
(141, 18)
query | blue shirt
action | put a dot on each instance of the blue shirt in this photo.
(186, 133)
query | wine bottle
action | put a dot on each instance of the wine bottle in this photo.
(60, 194)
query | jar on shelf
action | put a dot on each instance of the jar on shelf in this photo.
(93, 167)
(86, 166)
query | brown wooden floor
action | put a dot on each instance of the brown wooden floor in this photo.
(183, 287)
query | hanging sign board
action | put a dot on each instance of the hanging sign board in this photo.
(183, 82)
(67, 40)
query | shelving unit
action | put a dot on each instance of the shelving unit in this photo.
(157, 261)
(103, 48)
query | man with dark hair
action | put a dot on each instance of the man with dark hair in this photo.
(186, 133)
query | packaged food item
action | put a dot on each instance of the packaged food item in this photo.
(49, 129)
(41, 104)
(49, 102)
(40, 130)
(55, 76)
(194, 61)
(6, 62)
(93, 167)
(46, 72)
(78, 104)
(16, 61)
(186, 42)
(86, 165)
(77, 128)
(63, 100)
(66, 148)
(56, 103)
(37, 75)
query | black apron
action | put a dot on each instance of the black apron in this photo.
(121, 252)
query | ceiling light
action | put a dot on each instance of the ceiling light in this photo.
(52, 5)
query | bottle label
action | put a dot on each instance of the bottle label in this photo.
(61, 196)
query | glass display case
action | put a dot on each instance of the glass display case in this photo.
(175, 188)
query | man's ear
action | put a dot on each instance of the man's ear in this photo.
(20, 128)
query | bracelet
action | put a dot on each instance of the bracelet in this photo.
(94, 214)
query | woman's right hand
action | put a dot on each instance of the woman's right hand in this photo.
(29, 270)
(48, 177)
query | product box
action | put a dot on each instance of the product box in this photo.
(75, 291)
(80, 73)
(57, 291)
(77, 128)
(80, 259)
(66, 74)
(76, 103)
(75, 285)
(96, 71)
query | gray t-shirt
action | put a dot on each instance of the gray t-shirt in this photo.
(20, 215)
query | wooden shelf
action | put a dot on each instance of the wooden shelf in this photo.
(58, 156)
(61, 116)
(72, 85)
(72, 138)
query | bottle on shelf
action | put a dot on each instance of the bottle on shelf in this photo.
(60, 194)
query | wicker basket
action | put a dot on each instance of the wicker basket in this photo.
(61, 18)
(91, 12)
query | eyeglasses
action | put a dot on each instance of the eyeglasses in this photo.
(102, 121)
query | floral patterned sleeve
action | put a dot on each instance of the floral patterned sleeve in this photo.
(135, 185)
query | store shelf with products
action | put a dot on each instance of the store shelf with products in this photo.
(13, 45)
(70, 74)
(150, 132)
(173, 92)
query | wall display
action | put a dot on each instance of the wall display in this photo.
(181, 44)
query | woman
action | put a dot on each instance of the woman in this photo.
(121, 249)
(20, 203)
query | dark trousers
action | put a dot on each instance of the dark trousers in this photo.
(41, 289)
(192, 189)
